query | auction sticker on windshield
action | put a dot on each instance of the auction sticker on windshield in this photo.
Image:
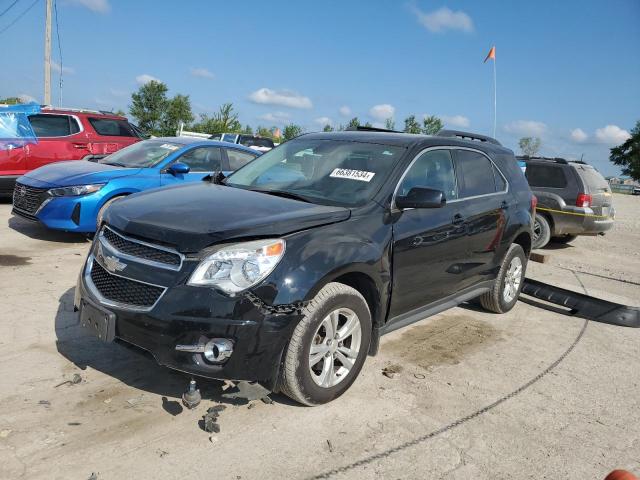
(352, 174)
(169, 146)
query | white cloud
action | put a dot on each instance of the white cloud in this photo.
(146, 78)
(98, 6)
(382, 112)
(578, 135)
(24, 98)
(56, 68)
(612, 135)
(526, 128)
(344, 111)
(444, 19)
(284, 98)
(275, 117)
(202, 73)
(322, 121)
(456, 121)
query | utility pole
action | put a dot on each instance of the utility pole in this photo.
(47, 55)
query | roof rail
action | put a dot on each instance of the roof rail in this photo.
(467, 136)
(68, 109)
(362, 128)
(544, 159)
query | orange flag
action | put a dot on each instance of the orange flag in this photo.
(491, 54)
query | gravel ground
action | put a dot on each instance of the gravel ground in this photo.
(124, 420)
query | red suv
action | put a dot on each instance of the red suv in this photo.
(65, 134)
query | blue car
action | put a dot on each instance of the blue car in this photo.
(73, 196)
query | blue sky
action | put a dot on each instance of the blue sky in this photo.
(568, 71)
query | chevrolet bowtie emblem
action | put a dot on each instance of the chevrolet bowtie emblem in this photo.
(22, 191)
(110, 263)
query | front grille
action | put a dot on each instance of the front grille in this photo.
(140, 250)
(28, 199)
(123, 290)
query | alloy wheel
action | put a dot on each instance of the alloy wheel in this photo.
(512, 280)
(335, 347)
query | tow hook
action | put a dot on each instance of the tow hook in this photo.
(191, 398)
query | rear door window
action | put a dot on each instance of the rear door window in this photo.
(48, 125)
(203, 159)
(475, 174)
(545, 176)
(111, 127)
(238, 159)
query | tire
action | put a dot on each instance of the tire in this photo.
(541, 232)
(509, 277)
(301, 379)
(564, 239)
(103, 209)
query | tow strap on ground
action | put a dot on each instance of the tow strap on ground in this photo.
(584, 306)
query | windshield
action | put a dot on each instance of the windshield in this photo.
(322, 171)
(145, 154)
(229, 137)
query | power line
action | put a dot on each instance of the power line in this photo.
(9, 8)
(55, 9)
(19, 17)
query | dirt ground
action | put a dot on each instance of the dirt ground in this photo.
(124, 419)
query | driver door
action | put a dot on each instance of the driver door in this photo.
(429, 244)
(202, 161)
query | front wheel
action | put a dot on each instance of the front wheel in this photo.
(328, 347)
(506, 289)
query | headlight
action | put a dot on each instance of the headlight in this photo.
(237, 267)
(76, 190)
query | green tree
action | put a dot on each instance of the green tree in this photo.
(178, 110)
(353, 123)
(431, 125)
(148, 106)
(265, 132)
(529, 145)
(120, 112)
(627, 155)
(411, 125)
(247, 130)
(225, 120)
(327, 128)
(11, 101)
(390, 124)
(291, 131)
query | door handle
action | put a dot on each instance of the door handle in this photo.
(457, 219)
(84, 146)
(504, 205)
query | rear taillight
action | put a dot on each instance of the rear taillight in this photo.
(583, 200)
(534, 203)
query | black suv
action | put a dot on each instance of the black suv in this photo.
(573, 199)
(288, 271)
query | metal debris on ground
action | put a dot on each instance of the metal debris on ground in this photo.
(420, 376)
(248, 391)
(93, 476)
(210, 420)
(330, 446)
(390, 371)
(44, 402)
(268, 400)
(191, 398)
(76, 379)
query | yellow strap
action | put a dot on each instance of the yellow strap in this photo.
(572, 213)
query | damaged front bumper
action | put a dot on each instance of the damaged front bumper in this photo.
(186, 316)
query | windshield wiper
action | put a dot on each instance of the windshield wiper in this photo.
(281, 193)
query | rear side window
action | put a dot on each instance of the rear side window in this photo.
(111, 127)
(46, 125)
(475, 174)
(204, 159)
(238, 159)
(545, 176)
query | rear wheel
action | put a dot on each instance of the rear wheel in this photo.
(328, 347)
(564, 239)
(541, 231)
(506, 289)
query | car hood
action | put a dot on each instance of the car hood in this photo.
(78, 172)
(193, 217)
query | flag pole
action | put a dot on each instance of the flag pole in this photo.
(495, 98)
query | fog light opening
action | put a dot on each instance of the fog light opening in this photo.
(218, 350)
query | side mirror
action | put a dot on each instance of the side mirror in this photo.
(419, 197)
(178, 169)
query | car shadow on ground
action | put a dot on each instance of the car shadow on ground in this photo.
(40, 232)
(130, 365)
(556, 246)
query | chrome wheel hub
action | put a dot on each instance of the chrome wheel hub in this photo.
(512, 280)
(335, 347)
